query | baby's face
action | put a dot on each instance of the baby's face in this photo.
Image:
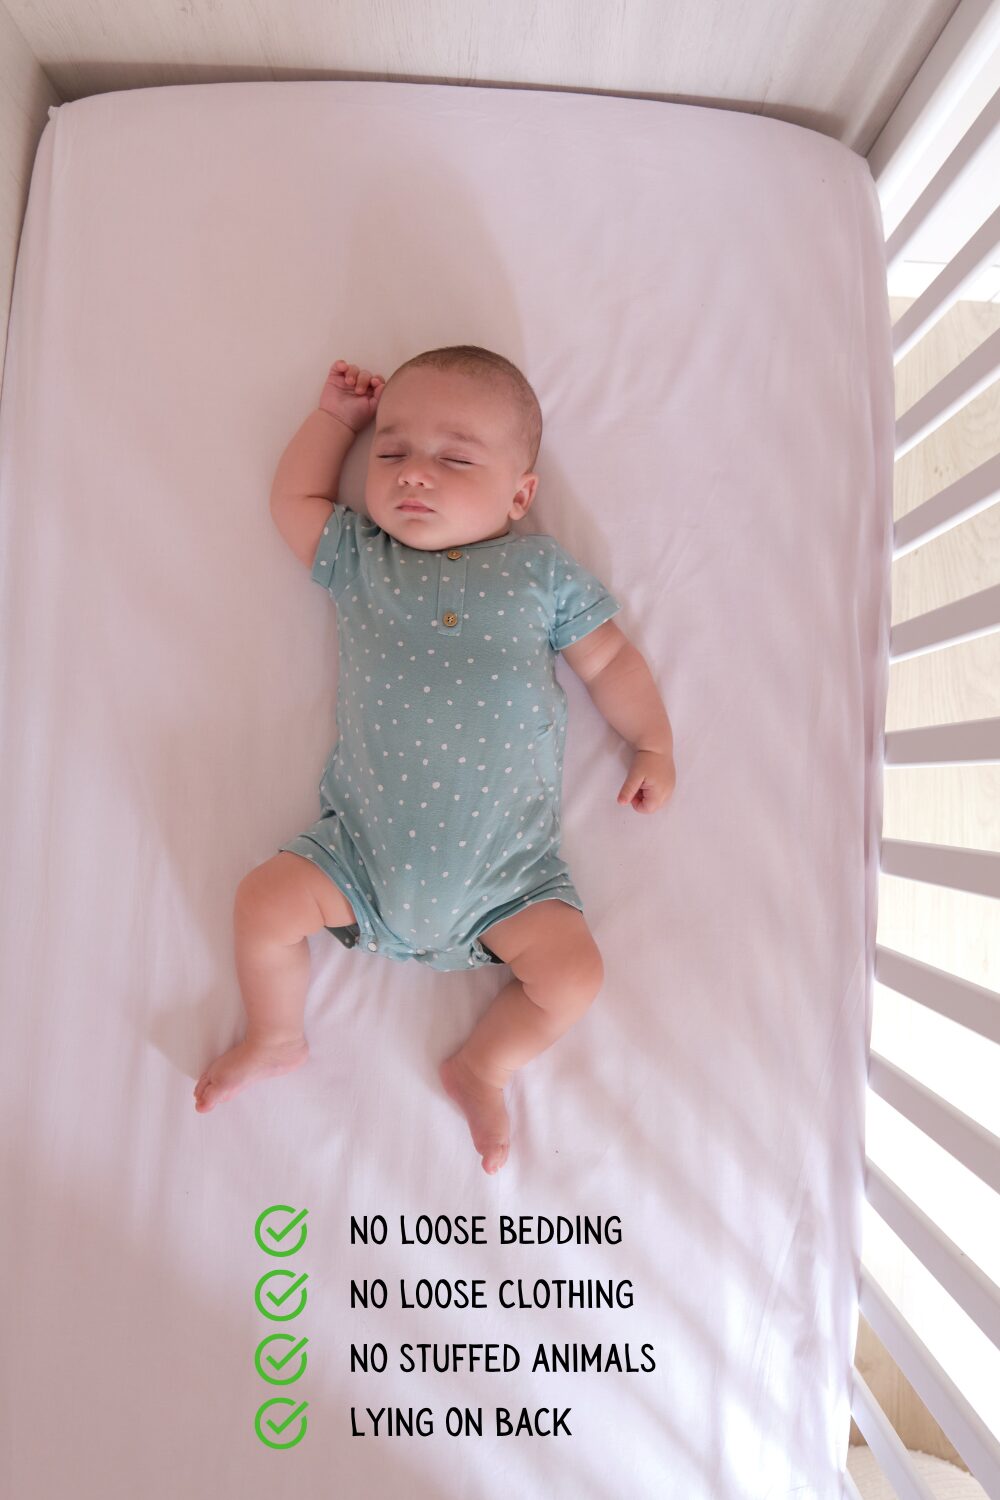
(472, 486)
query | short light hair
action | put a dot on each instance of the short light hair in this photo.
(500, 374)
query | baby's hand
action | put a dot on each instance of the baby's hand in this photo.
(351, 395)
(650, 781)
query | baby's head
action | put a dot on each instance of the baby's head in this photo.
(457, 429)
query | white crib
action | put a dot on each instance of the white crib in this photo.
(953, 106)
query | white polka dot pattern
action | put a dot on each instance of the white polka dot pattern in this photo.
(447, 773)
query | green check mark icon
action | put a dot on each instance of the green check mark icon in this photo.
(270, 1238)
(282, 1298)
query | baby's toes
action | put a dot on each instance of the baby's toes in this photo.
(205, 1091)
(494, 1156)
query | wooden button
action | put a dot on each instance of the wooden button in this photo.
(454, 554)
(450, 618)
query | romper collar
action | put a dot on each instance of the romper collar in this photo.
(442, 552)
(492, 541)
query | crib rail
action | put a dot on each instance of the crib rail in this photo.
(959, 502)
(974, 742)
(929, 110)
(971, 1005)
(935, 1388)
(963, 620)
(975, 870)
(975, 374)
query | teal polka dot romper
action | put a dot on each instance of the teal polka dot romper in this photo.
(441, 798)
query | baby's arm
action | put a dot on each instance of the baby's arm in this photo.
(305, 484)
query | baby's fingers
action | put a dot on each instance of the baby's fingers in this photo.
(354, 375)
(342, 374)
(364, 379)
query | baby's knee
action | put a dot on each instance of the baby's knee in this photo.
(566, 979)
(260, 905)
(287, 898)
(588, 976)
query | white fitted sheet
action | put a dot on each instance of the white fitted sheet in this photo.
(698, 297)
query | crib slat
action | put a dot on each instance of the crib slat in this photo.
(940, 109)
(947, 1263)
(973, 870)
(971, 1005)
(962, 1137)
(975, 256)
(963, 620)
(942, 1397)
(958, 502)
(952, 105)
(893, 1459)
(960, 386)
(973, 742)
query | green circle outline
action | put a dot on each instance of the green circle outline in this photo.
(287, 1208)
(279, 1401)
(259, 1356)
(274, 1317)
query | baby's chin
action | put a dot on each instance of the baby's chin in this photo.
(418, 546)
(419, 530)
(418, 537)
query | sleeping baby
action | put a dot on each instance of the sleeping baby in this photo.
(438, 840)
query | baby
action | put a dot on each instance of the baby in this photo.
(439, 835)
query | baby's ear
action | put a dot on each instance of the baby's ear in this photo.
(529, 484)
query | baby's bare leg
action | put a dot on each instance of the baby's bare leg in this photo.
(277, 906)
(559, 974)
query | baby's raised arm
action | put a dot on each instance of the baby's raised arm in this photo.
(308, 473)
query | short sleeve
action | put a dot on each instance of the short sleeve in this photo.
(336, 561)
(580, 602)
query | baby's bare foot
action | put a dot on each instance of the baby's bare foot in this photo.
(242, 1065)
(483, 1107)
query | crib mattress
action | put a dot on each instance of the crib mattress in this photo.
(698, 297)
